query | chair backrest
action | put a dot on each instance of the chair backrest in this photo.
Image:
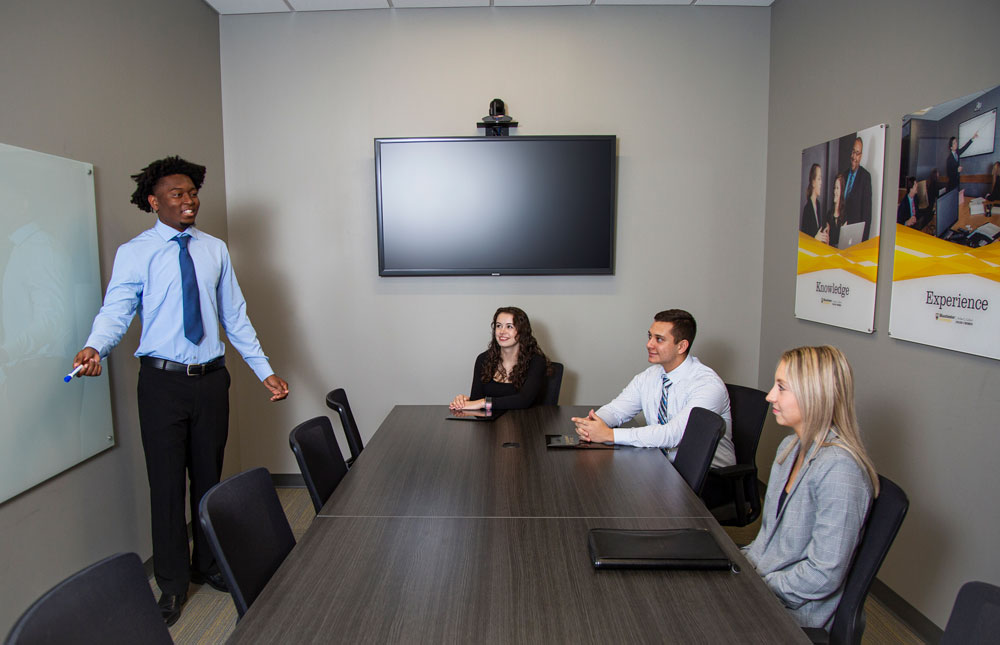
(884, 519)
(975, 618)
(697, 447)
(748, 407)
(320, 460)
(247, 531)
(108, 602)
(337, 400)
(553, 383)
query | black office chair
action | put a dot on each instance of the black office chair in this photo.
(553, 383)
(337, 400)
(108, 602)
(738, 483)
(697, 447)
(975, 618)
(884, 519)
(247, 531)
(320, 460)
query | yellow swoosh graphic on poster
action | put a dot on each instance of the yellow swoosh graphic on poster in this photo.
(919, 255)
(860, 259)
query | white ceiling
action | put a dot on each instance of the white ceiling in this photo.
(288, 6)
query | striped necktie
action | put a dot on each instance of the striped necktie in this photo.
(661, 415)
(193, 328)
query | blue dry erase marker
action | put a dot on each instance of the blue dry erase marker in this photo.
(69, 377)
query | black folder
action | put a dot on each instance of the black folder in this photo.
(667, 549)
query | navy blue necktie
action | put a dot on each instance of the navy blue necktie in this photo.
(193, 329)
(661, 415)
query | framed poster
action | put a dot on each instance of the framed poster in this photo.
(946, 264)
(841, 186)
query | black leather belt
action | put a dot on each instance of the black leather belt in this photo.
(195, 369)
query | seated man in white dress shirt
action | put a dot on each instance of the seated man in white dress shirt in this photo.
(688, 384)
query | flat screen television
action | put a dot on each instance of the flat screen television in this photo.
(521, 205)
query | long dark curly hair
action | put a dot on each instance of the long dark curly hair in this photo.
(147, 179)
(527, 347)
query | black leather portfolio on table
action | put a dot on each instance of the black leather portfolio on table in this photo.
(666, 549)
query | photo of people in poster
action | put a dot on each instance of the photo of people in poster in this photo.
(946, 266)
(841, 186)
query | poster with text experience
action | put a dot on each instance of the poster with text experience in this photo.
(841, 208)
(946, 264)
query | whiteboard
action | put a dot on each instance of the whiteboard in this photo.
(985, 125)
(51, 290)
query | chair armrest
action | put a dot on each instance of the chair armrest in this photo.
(732, 472)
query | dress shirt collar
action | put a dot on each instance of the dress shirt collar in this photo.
(681, 371)
(168, 232)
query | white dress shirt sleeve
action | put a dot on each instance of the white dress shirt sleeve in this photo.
(624, 406)
(700, 388)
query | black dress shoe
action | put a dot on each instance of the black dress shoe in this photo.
(213, 580)
(170, 607)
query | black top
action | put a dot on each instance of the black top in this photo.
(505, 396)
(810, 224)
(994, 193)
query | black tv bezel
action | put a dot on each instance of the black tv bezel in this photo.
(487, 271)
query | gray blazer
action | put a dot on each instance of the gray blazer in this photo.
(804, 553)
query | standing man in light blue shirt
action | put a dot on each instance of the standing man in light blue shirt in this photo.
(665, 393)
(182, 281)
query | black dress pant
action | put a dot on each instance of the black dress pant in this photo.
(184, 422)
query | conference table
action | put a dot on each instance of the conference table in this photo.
(449, 531)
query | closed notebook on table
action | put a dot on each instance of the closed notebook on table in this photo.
(665, 549)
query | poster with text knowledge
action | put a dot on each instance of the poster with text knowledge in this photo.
(946, 262)
(839, 219)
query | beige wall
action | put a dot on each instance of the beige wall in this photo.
(684, 89)
(929, 415)
(116, 83)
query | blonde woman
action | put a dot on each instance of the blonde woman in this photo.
(821, 486)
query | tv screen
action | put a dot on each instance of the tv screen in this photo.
(495, 205)
(985, 126)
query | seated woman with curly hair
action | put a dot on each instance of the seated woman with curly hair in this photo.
(510, 374)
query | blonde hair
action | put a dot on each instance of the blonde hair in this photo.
(823, 384)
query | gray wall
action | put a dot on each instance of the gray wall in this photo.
(685, 90)
(929, 415)
(117, 83)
